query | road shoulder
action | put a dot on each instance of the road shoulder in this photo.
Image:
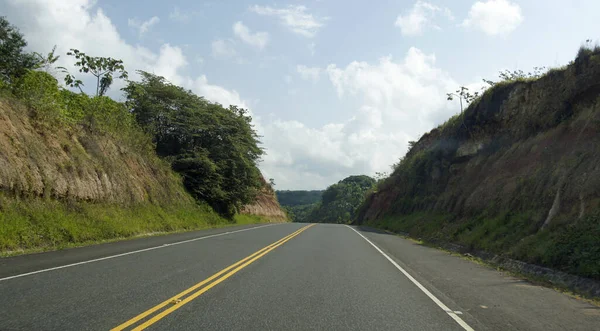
(489, 298)
(22, 264)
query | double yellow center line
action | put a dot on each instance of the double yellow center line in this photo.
(176, 302)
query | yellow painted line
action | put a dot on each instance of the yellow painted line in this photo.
(176, 297)
(179, 303)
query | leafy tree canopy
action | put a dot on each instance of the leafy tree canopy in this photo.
(340, 201)
(103, 68)
(14, 62)
(298, 198)
(215, 149)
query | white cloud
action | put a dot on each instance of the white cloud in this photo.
(216, 93)
(177, 15)
(308, 73)
(494, 17)
(79, 24)
(143, 27)
(257, 39)
(296, 18)
(223, 48)
(420, 17)
(397, 102)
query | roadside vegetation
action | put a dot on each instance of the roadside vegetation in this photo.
(521, 184)
(298, 204)
(163, 159)
(337, 204)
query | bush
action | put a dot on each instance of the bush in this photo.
(215, 149)
(14, 63)
(577, 248)
(40, 92)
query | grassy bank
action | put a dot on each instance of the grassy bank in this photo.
(572, 247)
(37, 224)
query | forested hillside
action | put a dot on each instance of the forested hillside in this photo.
(517, 173)
(337, 204)
(297, 198)
(78, 167)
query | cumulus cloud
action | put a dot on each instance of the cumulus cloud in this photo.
(294, 17)
(494, 17)
(308, 73)
(420, 17)
(257, 39)
(223, 48)
(144, 26)
(79, 24)
(397, 101)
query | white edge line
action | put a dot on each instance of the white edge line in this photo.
(421, 287)
(132, 252)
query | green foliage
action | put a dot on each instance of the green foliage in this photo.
(572, 247)
(14, 62)
(40, 91)
(438, 193)
(299, 204)
(52, 105)
(297, 198)
(518, 75)
(462, 94)
(587, 50)
(51, 224)
(103, 68)
(214, 148)
(340, 201)
(45, 62)
(300, 213)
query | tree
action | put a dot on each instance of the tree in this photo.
(340, 201)
(380, 176)
(463, 94)
(215, 149)
(14, 62)
(45, 62)
(272, 182)
(516, 75)
(103, 68)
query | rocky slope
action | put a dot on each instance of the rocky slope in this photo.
(64, 163)
(266, 205)
(518, 173)
(63, 185)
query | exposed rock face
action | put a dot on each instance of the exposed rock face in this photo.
(517, 175)
(40, 161)
(531, 146)
(266, 205)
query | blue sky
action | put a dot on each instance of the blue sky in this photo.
(335, 87)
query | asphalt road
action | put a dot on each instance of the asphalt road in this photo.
(275, 277)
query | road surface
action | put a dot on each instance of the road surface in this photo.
(274, 277)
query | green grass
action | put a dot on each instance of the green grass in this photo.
(570, 246)
(37, 224)
(242, 219)
(533, 279)
(573, 247)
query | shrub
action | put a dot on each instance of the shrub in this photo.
(40, 92)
